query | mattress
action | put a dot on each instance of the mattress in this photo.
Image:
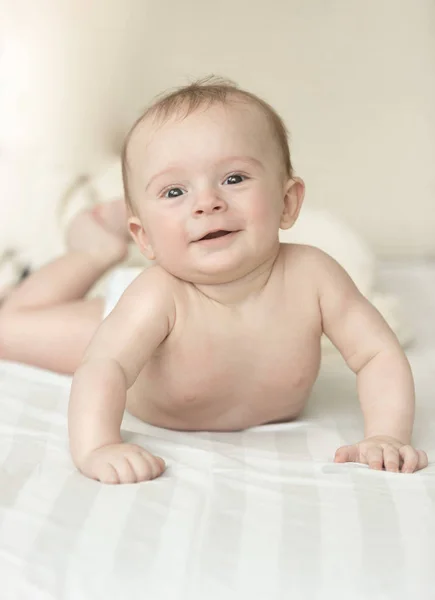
(262, 513)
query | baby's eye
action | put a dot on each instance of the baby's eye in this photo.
(173, 192)
(233, 179)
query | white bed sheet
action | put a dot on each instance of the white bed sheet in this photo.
(257, 514)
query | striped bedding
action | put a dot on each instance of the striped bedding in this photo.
(256, 514)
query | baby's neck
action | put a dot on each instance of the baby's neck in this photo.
(240, 290)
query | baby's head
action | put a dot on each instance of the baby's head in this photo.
(208, 181)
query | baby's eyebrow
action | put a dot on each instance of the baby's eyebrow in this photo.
(160, 174)
(248, 159)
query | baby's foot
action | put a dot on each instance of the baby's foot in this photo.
(113, 215)
(87, 234)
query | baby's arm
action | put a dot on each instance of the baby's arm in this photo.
(384, 378)
(123, 343)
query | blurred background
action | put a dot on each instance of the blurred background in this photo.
(354, 81)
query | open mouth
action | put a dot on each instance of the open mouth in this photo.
(215, 234)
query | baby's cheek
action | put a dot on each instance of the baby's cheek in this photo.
(264, 213)
(170, 240)
(166, 230)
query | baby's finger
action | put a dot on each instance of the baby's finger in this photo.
(107, 474)
(346, 454)
(391, 459)
(161, 464)
(374, 458)
(423, 460)
(410, 459)
(141, 467)
(156, 463)
(125, 471)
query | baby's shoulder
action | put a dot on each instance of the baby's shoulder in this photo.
(315, 267)
(153, 285)
(155, 276)
(304, 257)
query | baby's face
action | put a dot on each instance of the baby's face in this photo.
(208, 191)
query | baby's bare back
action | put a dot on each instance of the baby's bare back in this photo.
(228, 368)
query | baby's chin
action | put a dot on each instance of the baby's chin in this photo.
(209, 272)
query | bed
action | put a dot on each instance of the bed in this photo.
(262, 513)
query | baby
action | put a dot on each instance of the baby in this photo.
(223, 332)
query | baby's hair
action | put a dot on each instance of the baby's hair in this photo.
(206, 92)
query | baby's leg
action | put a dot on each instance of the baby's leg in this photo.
(45, 321)
(53, 338)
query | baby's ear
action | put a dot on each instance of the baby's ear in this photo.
(294, 192)
(140, 237)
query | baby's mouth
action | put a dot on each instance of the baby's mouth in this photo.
(215, 234)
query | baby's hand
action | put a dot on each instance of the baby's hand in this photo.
(380, 452)
(122, 463)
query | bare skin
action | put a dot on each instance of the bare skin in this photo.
(224, 333)
(46, 321)
(200, 384)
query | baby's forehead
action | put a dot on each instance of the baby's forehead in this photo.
(148, 129)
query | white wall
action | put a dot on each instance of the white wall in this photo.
(353, 79)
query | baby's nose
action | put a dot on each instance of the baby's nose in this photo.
(209, 203)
